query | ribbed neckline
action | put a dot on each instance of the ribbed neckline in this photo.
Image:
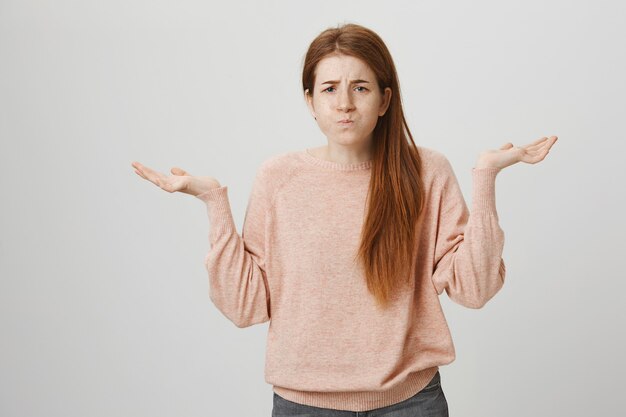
(357, 166)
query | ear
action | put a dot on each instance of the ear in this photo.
(385, 102)
(309, 101)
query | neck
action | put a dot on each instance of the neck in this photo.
(347, 154)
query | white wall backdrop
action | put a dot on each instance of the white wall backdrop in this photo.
(104, 307)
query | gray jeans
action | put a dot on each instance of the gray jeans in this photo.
(429, 402)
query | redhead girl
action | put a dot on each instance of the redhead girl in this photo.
(346, 247)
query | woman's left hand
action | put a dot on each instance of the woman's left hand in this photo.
(508, 154)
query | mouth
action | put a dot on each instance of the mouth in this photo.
(346, 121)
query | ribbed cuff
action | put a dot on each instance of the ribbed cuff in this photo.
(218, 209)
(484, 190)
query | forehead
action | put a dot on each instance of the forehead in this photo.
(342, 67)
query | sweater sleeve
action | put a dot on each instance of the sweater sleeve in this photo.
(468, 249)
(235, 264)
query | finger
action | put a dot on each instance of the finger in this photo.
(551, 142)
(142, 168)
(152, 175)
(531, 159)
(139, 170)
(138, 165)
(536, 144)
(545, 146)
(149, 174)
(172, 185)
(543, 142)
(179, 171)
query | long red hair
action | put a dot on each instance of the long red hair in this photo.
(396, 191)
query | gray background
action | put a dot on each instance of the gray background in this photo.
(104, 306)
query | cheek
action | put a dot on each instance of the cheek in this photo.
(370, 112)
(374, 105)
(372, 117)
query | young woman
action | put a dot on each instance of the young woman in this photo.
(345, 248)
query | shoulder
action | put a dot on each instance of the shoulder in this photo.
(278, 165)
(277, 161)
(434, 162)
(274, 171)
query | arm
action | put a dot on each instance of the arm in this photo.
(468, 250)
(236, 264)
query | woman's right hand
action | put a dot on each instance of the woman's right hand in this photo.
(181, 181)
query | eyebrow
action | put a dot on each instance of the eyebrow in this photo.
(351, 82)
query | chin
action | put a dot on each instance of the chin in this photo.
(349, 139)
(344, 142)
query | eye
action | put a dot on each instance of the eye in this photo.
(363, 89)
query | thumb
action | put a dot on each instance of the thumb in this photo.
(508, 145)
(179, 171)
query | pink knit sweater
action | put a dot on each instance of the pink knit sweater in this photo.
(328, 344)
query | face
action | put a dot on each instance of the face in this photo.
(345, 88)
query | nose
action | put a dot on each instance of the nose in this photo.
(344, 100)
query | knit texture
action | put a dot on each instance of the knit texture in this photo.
(328, 343)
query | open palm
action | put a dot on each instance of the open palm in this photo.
(180, 181)
(509, 154)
